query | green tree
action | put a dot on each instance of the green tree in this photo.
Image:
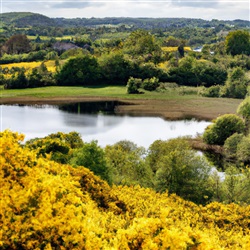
(141, 43)
(238, 42)
(236, 84)
(127, 164)
(243, 150)
(178, 169)
(244, 111)
(231, 144)
(82, 70)
(115, 68)
(222, 128)
(91, 156)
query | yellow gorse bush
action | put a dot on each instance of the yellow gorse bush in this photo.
(46, 205)
(50, 64)
(173, 49)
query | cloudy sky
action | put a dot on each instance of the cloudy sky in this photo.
(205, 9)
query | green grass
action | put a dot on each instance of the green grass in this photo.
(97, 91)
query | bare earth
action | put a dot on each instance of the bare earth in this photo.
(199, 108)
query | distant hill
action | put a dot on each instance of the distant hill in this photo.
(28, 19)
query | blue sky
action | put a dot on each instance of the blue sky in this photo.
(205, 9)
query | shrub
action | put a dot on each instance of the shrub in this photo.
(150, 84)
(133, 85)
(243, 150)
(230, 145)
(222, 128)
(213, 91)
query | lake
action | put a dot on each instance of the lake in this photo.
(39, 121)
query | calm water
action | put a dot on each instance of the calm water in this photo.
(39, 121)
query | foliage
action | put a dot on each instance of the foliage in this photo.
(141, 43)
(192, 72)
(244, 110)
(17, 44)
(75, 52)
(179, 170)
(233, 186)
(82, 71)
(231, 145)
(150, 84)
(115, 69)
(243, 150)
(133, 85)
(40, 196)
(236, 84)
(222, 128)
(91, 156)
(126, 164)
(213, 91)
(58, 147)
(238, 42)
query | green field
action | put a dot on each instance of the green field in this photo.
(100, 91)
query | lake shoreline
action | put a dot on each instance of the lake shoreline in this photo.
(171, 109)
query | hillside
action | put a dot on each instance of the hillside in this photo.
(27, 19)
(54, 206)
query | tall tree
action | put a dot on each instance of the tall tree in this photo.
(17, 44)
(238, 42)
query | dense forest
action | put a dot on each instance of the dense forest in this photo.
(60, 192)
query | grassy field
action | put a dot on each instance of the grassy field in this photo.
(172, 104)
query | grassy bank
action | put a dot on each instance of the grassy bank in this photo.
(175, 103)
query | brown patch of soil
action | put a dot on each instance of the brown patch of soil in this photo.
(199, 108)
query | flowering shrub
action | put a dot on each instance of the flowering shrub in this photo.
(47, 205)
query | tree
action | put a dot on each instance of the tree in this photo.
(231, 144)
(91, 156)
(141, 43)
(178, 169)
(244, 111)
(115, 68)
(81, 70)
(236, 84)
(238, 42)
(243, 150)
(222, 128)
(127, 165)
(18, 44)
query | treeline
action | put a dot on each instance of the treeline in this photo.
(219, 68)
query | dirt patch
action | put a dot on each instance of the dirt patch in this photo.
(173, 109)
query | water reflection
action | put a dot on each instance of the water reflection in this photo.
(39, 121)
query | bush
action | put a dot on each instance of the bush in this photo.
(213, 91)
(222, 128)
(236, 85)
(230, 145)
(243, 150)
(150, 84)
(133, 85)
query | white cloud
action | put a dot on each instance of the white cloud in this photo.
(205, 9)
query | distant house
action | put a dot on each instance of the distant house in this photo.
(63, 46)
(198, 49)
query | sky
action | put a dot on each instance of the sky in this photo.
(204, 9)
